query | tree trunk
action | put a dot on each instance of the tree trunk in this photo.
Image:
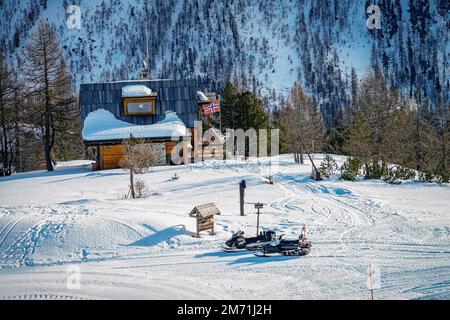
(133, 193)
(302, 161)
(47, 133)
(47, 147)
(417, 146)
(5, 139)
(17, 142)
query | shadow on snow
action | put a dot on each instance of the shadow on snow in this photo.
(160, 236)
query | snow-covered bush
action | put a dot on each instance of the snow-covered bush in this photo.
(350, 169)
(328, 166)
(395, 175)
(426, 177)
(442, 175)
(374, 170)
(141, 189)
(439, 176)
(443, 178)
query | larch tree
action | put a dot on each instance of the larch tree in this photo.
(367, 136)
(300, 116)
(399, 146)
(50, 91)
(7, 89)
(443, 136)
(358, 137)
(425, 138)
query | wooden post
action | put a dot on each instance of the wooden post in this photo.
(371, 281)
(317, 175)
(242, 187)
(220, 113)
(212, 233)
(198, 229)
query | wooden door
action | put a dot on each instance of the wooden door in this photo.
(110, 156)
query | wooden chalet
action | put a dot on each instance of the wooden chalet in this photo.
(143, 106)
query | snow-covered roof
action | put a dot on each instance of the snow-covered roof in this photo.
(136, 91)
(101, 125)
(202, 97)
(205, 210)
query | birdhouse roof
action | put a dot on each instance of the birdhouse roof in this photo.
(205, 210)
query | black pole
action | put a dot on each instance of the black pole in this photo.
(242, 186)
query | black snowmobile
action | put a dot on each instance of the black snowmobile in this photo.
(281, 246)
(239, 242)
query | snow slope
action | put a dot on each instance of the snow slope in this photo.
(144, 249)
(263, 45)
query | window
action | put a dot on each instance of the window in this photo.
(139, 106)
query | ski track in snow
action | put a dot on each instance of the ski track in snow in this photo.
(144, 249)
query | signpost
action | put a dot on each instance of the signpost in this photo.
(258, 206)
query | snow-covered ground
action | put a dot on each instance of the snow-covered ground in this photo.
(145, 249)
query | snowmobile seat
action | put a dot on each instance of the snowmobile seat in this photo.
(289, 244)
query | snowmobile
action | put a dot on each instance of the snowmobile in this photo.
(281, 246)
(239, 242)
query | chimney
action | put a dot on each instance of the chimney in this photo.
(144, 74)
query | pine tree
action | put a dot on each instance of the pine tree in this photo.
(242, 110)
(328, 166)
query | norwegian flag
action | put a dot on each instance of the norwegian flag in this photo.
(211, 107)
(207, 109)
(216, 106)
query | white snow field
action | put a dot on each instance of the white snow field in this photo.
(144, 249)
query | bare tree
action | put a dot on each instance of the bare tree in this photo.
(300, 116)
(7, 90)
(443, 136)
(139, 157)
(53, 102)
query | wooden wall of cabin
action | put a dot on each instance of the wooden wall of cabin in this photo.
(110, 156)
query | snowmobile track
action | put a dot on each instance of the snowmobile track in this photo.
(12, 224)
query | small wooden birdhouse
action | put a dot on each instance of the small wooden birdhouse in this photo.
(204, 215)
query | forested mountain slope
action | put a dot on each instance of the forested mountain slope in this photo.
(263, 45)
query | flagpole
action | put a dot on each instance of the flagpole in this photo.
(220, 115)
